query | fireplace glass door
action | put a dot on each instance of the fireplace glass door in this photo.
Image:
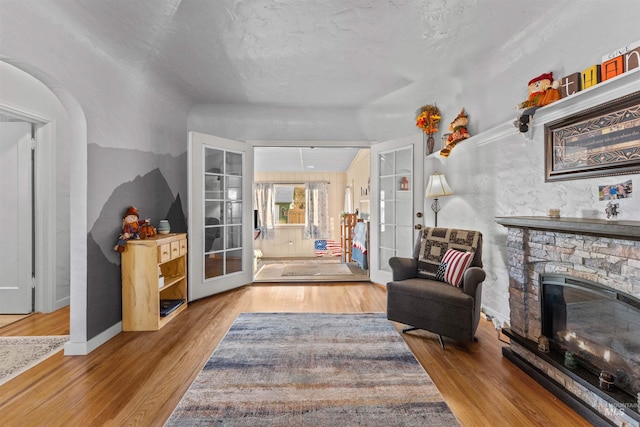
(599, 325)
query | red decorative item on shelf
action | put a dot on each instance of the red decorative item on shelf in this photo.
(404, 184)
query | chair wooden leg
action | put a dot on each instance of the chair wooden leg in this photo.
(441, 342)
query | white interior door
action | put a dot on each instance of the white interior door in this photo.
(397, 196)
(16, 259)
(220, 215)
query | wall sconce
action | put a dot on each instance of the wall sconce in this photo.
(437, 187)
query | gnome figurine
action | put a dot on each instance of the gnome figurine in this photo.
(131, 225)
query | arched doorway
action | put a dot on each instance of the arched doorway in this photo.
(60, 186)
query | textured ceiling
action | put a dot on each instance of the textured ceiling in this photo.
(307, 53)
(371, 63)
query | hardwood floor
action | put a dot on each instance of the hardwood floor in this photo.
(7, 319)
(137, 378)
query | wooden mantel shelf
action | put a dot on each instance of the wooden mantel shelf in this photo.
(627, 230)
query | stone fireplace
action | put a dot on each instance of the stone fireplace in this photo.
(577, 282)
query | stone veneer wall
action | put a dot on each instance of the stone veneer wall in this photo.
(610, 262)
(607, 261)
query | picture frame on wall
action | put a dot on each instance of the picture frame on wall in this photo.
(601, 141)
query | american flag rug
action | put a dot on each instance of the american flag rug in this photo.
(328, 248)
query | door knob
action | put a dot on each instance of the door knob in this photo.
(419, 214)
(418, 226)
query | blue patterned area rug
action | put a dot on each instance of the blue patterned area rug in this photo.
(311, 369)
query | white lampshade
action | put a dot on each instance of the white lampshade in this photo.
(437, 186)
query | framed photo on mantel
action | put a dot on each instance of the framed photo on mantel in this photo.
(600, 141)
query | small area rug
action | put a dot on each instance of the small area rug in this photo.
(316, 269)
(311, 369)
(18, 354)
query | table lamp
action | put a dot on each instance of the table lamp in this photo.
(437, 187)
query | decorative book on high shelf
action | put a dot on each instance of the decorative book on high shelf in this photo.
(154, 281)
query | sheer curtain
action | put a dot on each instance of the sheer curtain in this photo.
(348, 205)
(264, 203)
(317, 211)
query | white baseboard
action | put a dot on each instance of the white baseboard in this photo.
(84, 348)
(499, 318)
(61, 303)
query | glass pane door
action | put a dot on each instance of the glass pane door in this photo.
(220, 218)
(222, 212)
(396, 183)
(397, 200)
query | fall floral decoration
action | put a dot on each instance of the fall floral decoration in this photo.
(428, 118)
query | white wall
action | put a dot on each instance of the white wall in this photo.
(271, 123)
(358, 176)
(500, 173)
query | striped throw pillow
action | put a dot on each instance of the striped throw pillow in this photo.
(456, 263)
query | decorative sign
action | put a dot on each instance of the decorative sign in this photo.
(570, 84)
(600, 141)
(614, 63)
(622, 51)
(590, 77)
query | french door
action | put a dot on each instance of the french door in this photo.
(397, 195)
(220, 214)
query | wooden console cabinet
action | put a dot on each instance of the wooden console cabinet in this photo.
(142, 288)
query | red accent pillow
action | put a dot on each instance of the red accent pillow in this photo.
(456, 263)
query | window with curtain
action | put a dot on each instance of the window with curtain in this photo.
(264, 203)
(317, 211)
(290, 203)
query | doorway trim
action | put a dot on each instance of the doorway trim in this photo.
(45, 201)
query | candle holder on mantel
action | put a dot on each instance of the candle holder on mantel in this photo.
(606, 381)
(543, 344)
(570, 360)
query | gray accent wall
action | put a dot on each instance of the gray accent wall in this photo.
(154, 198)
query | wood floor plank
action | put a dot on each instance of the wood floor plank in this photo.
(137, 378)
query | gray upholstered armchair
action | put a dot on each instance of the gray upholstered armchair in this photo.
(419, 297)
